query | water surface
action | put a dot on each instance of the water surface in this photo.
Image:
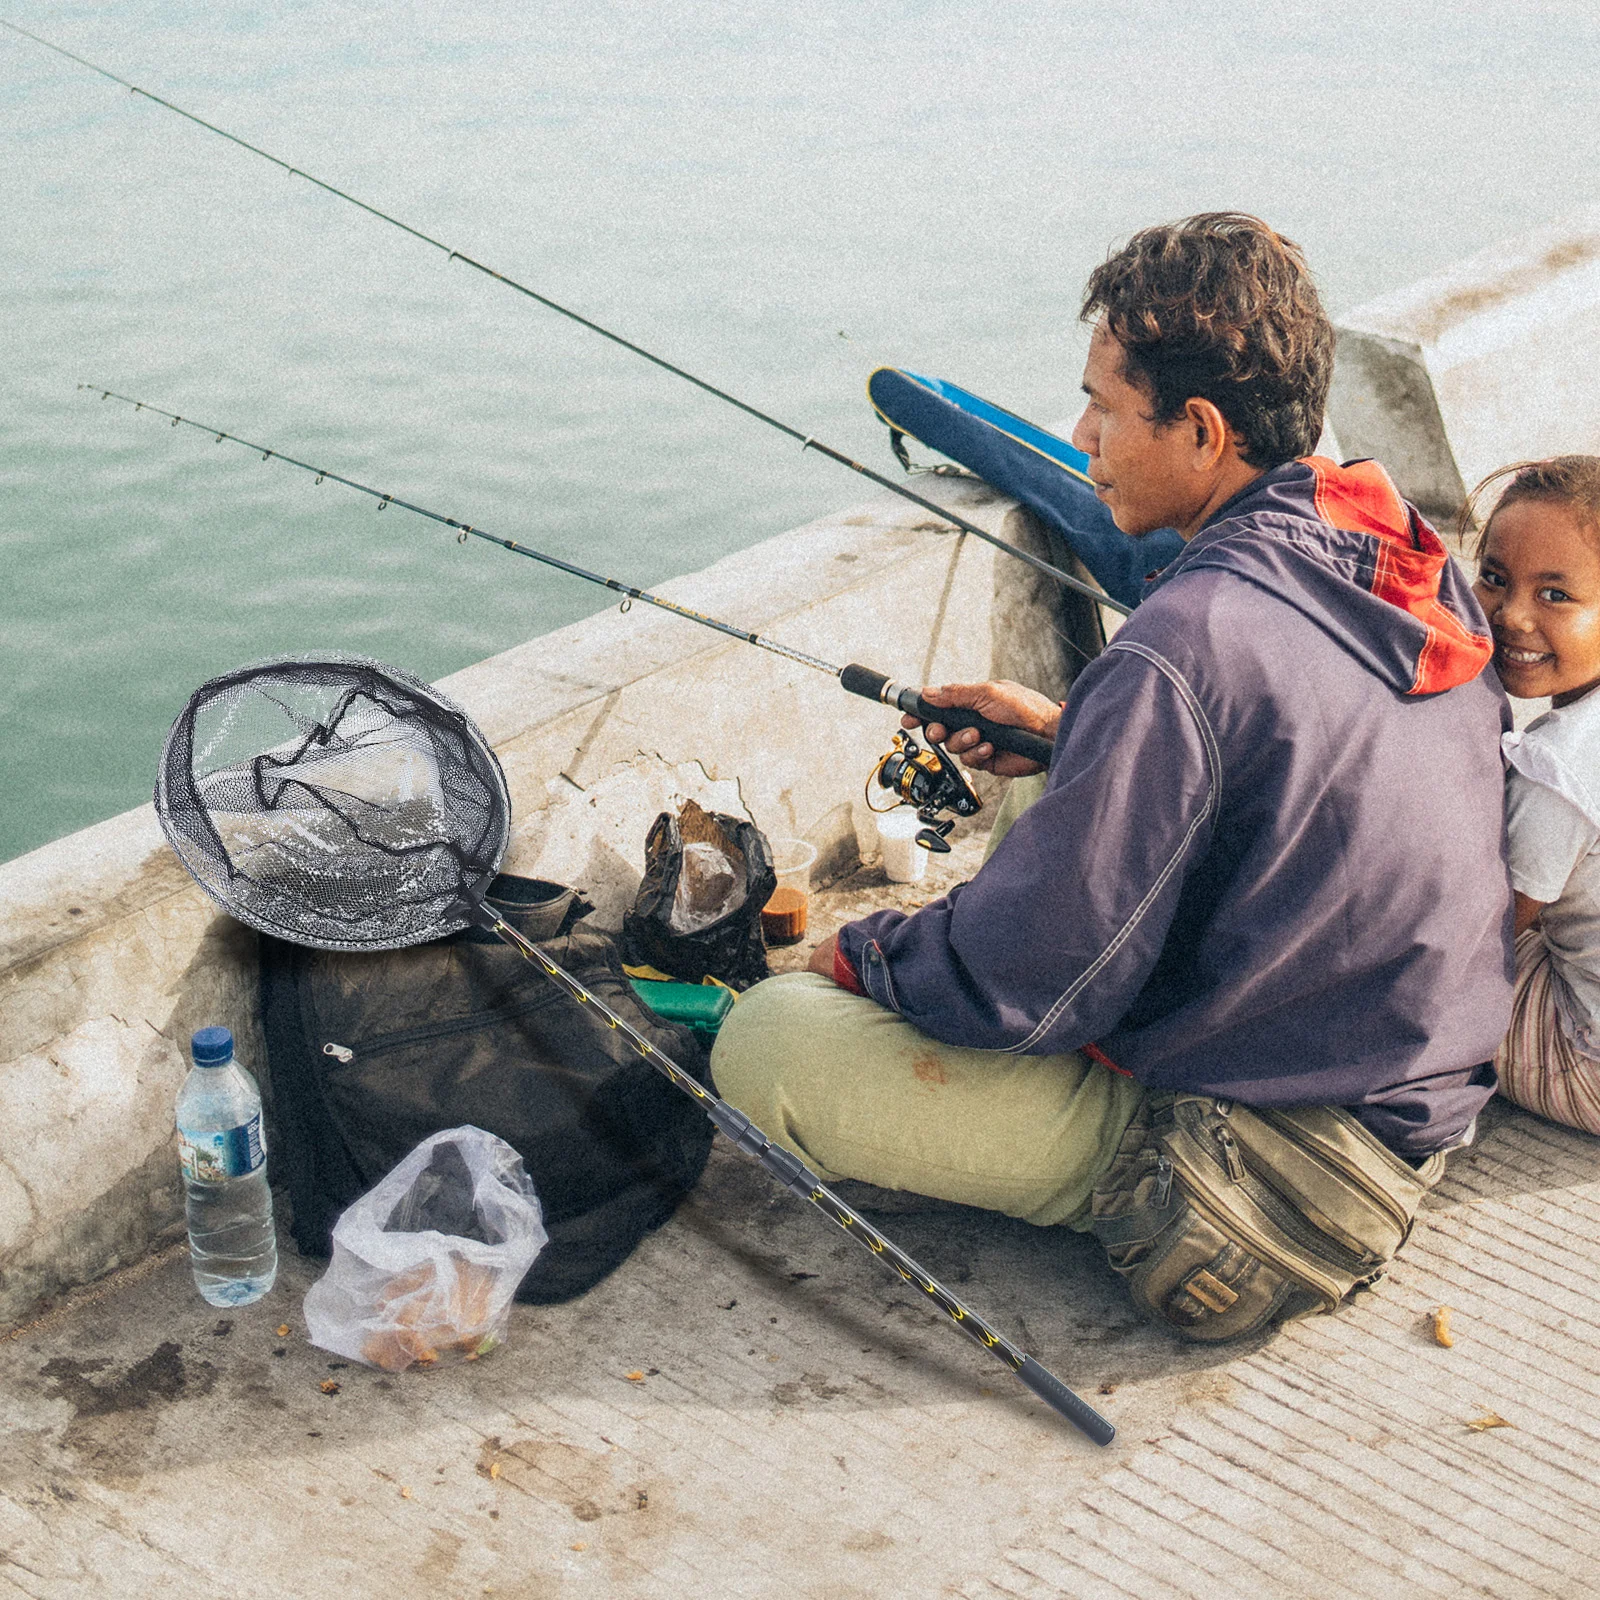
(779, 198)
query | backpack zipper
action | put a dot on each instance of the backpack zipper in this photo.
(379, 1043)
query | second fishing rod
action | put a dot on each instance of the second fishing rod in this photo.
(806, 441)
(857, 679)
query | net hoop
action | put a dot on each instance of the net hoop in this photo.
(425, 894)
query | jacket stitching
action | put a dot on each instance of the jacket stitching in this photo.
(881, 966)
(1213, 800)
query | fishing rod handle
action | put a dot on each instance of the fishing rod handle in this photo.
(875, 686)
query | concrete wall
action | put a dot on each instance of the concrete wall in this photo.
(110, 957)
(1491, 362)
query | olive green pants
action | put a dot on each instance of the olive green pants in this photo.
(856, 1092)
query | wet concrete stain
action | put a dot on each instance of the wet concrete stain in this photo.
(439, 1563)
(812, 1384)
(591, 1484)
(115, 1414)
(160, 1376)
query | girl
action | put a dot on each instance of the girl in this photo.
(1539, 584)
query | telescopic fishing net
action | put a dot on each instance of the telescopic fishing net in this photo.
(339, 803)
(334, 802)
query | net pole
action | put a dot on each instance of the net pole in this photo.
(805, 440)
(798, 1179)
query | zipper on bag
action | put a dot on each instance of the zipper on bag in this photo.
(381, 1042)
(1281, 1214)
(1230, 1154)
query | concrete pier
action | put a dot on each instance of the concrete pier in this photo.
(1487, 363)
(750, 1407)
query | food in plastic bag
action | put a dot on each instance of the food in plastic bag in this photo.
(708, 889)
(426, 1262)
(698, 911)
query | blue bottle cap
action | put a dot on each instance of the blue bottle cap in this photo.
(211, 1047)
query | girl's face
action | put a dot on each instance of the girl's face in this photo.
(1539, 584)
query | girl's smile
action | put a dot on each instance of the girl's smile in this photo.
(1539, 586)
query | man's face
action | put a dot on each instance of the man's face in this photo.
(1143, 474)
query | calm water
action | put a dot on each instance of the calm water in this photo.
(779, 198)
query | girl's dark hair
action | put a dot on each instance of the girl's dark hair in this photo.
(1572, 481)
(1219, 307)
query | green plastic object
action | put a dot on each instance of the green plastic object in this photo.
(701, 1005)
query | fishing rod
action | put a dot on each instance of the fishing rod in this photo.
(806, 441)
(856, 679)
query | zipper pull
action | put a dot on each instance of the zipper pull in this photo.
(1230, 1154)
(341, 1053)
(1163, 1190)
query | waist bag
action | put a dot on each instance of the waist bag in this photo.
(1222, 1218)
(369, 1054)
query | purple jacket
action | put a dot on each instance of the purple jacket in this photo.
(1269, 861)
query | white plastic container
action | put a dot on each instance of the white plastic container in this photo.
(904, 860)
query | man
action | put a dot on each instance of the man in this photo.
(1256, 867)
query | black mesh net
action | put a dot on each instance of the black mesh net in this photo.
(333, 802)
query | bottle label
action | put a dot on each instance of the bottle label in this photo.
(231, 1153)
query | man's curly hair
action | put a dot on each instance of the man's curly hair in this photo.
(1219, 307)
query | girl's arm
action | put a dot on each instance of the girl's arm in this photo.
(1527, 911)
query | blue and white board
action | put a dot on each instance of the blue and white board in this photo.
(1039, 468)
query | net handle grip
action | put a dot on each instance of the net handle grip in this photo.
(872, 685)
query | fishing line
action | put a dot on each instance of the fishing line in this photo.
(856, 679)
(806, 441)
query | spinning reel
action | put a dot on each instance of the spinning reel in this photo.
(929, 780)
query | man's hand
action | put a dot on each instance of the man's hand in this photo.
(822, 957)
(1003, 702)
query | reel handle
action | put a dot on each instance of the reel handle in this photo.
(875, 686)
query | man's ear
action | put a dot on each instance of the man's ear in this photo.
(1212, 435)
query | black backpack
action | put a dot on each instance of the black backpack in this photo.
(369, 1054)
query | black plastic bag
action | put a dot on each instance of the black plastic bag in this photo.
(698, 911)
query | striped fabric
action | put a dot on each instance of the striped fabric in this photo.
(1538, 1066)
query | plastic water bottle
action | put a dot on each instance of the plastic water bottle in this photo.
(232, 1245)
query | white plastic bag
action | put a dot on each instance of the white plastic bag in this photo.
(709, 887)
(426, 1262)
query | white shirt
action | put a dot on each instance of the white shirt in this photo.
(1553, 817)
